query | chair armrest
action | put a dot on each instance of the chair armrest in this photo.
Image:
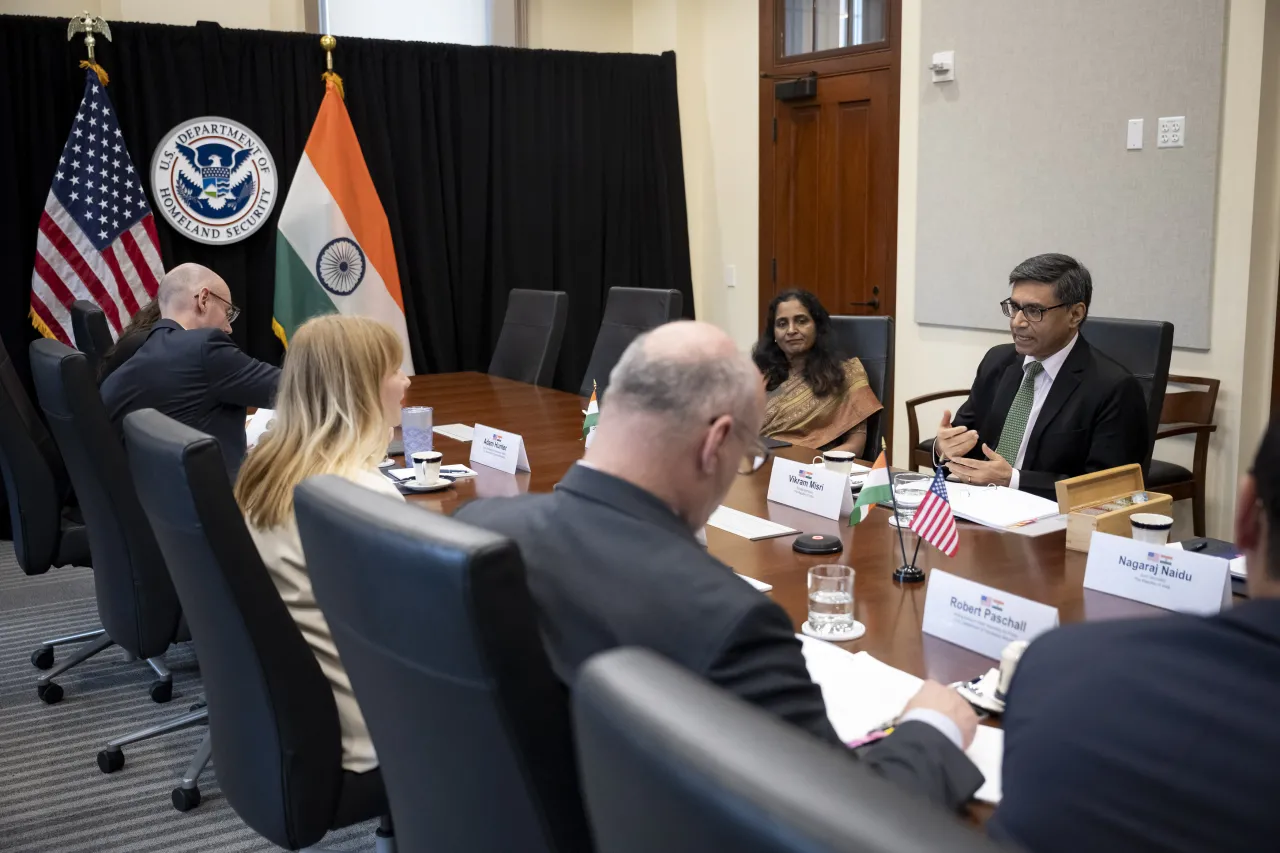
(938, 395)
(1185, 429)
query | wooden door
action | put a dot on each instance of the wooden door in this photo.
(835, 194)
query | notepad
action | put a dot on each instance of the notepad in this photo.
(747, 526)
(862, 694)
(458, 432)
(997, 506)
(760, 585)
(456, 472)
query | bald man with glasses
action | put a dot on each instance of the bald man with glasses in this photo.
(1047, 406)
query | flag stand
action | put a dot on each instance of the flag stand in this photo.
(907, 572)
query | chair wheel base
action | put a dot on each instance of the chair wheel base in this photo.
(161, 691)
(42, 658)
(110, 760)
(50, 692)
(185, 799)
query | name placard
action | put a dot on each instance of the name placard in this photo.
(497, 449)
(981, 618)
(811, 488)
(1158, 575)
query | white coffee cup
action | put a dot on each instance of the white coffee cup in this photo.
(426, 467)
(1009, 659)
(1150, 527)
(840, 461)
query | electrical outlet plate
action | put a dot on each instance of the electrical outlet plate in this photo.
(1172, 131)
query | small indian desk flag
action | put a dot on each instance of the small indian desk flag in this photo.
(593, 415)
(875, 489)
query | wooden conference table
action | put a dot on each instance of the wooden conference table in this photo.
(551, 424)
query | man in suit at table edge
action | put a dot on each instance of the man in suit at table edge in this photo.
(1158, 733)
(1047, 406)
(189, 368)
(612, 558)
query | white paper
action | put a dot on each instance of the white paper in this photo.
(987, 753)
(981, 618)
(760, 585)
(998, 507)
(862, 694)
(458, 432)
(811, 488)
(1160, 575)
(256, 424)
(457, 472)
(1237, 565)
(497, 449)
(747, 526)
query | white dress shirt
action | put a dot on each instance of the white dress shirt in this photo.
(1044, 382)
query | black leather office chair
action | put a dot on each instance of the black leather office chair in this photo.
(438, 633)
(870, 339)
(136, 601)
(628, 312)
(272, 719)
(1144, 348)
(529, 344)
(673, 763)
(92, 334)
(47, 527)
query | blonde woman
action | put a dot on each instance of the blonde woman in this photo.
(340, 394)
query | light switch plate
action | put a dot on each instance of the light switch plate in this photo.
(1134, 141)
(1172, 132)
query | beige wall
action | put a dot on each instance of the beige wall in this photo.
(247, 14)
(603, 26)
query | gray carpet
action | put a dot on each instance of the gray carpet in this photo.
(52, 795)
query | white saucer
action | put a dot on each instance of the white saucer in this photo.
(386, 463)
(858, 630)
(439, 484)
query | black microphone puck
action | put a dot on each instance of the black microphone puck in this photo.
(817, 543)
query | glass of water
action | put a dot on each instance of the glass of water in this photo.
(909, 490)
(831, 601)
(415, 426)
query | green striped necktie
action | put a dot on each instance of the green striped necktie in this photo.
(1015, 425)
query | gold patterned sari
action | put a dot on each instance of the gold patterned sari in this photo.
(793, 414)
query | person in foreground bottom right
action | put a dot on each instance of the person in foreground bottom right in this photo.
(1159, 733)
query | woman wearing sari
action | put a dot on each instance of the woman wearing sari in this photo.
(815, 398)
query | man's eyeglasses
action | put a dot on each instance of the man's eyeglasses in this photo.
(754, 457)
(232, 311)
(1034, 313)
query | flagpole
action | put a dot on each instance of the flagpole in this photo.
(907, 572)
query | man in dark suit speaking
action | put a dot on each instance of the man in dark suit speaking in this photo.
(190, 369)
(1160, 733)
(612, 558)
(1047, 406)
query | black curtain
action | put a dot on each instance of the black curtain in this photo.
(498, 168)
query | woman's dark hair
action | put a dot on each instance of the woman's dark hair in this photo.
(823, 370)
(148, 315)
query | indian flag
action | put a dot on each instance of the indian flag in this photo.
(593, 415)
(875, 489)
(333, 248)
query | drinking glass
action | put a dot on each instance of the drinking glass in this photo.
(415, 426)
(909, 490)
(831, 600)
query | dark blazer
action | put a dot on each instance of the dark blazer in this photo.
(1094, 418)
(610, 565)
(196, 376)
(1149, 734)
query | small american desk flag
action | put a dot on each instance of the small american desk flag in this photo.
(933, 521)
(97, 237)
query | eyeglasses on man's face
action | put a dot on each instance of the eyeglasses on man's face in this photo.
(232, 310)
(754, 457)
(1034, 313)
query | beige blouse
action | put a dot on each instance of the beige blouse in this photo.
(281, 551)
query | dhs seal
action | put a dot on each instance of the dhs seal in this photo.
(213, 179)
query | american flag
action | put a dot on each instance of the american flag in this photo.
(934, 521)
(97, 237)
